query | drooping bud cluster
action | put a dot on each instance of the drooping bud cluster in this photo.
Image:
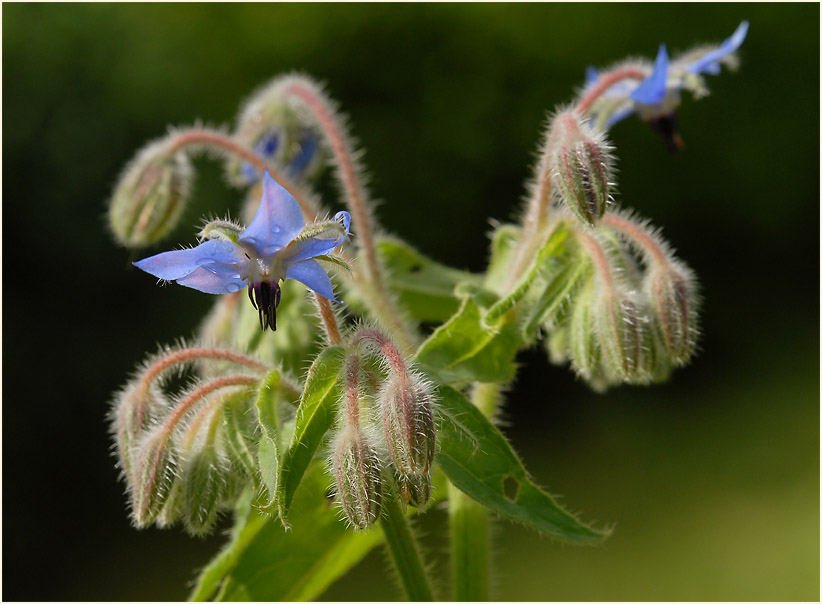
(632, 316)
(151, 194)
(387, 432)
(175, 450)
(581, 166)
(280, 130)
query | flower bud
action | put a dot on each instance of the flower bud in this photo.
(581, 167)
(135, 409)
(203, 479)
(280, 130)
(673, 301)
(409, 424)
(582, 333)
(150, 195)
(415, 489)
(155, 473)
(358, 472)
(621, 335)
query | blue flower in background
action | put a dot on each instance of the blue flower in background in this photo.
(656, 98)
(296, 161)
(275, 246)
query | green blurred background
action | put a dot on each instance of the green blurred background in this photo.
(712, 479)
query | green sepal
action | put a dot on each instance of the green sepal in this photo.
(315, 416)
(225, 230)
(425, 288)
(503, 242)
(335, 260)
(479, 461)
(240, 435)
(463, 350)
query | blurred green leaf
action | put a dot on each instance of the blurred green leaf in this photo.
(464, 350)
(265, 562)
(315, 415)
(425, 287)
(479, 461)
(268, 450)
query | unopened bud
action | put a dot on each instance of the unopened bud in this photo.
(673, 301)
(409, 424)
(582, 333)
(204, 481)
(581, 167)
(358, 472)
(135, 409)
(621, 333)
(280, 130)
(155, 474)
(150, 195)
(415, 489)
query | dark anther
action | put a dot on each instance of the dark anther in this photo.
(667, 127)
(265, 298)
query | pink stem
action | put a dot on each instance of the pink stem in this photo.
(645, 241)
(598, 257)
(607, 80)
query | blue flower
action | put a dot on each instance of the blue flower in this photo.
(656, 98)
(295, 159)
(276, 246)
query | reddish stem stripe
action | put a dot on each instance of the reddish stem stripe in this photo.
(645, 241)
(204, 390)
(607, 80)
(598, 257)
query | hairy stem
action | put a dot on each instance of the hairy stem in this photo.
(405, 552)
(349, 171)
(329, 320)
(470, 525)
(607, 80)
(196, 136)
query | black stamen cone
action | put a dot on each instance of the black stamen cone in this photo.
(667, 127)
(265, 298)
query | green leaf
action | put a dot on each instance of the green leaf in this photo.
(479, 461)
(239, 435)
(315, 415)
(563, 281)
(463, 349)
(268, 450)
(425, 288)
(264, 562)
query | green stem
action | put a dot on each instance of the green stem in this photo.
(471, 525)
(404, 550)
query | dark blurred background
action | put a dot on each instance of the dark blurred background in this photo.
(712, 479)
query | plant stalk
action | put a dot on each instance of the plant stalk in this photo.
(404, 551)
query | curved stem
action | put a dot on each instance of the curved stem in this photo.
(643, 239)
(598, 257)
(404, 551)
(348, 171)
(196, 136)
(470, 525)
(607, 80)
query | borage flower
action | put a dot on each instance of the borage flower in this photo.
(656, 98)
(276, 246)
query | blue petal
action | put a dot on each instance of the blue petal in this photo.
(310, 248)
(179, 263)
(312, 275)
(709, 61)
(345, 218)
(652, 89)
(278, 219)
(591, 75)
(214, 279)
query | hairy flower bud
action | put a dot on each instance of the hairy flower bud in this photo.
(150, 196)
(581, 167)
(203, 478)
(621, 333)
(358, 472)
(582, 333)
(415, 489)
(279, 129)
(134, 410)
(673, 301)
(155, 473)
(409, 424)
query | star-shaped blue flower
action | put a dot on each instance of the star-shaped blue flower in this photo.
(276, 246)
(656, 98)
